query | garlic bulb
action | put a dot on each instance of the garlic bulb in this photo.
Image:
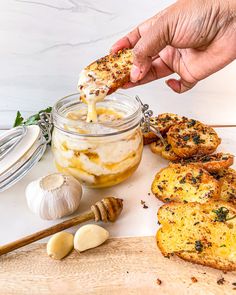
(54, 196)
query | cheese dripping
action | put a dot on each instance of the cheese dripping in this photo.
(92, 91)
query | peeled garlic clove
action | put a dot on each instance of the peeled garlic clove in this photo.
(54, 196)
(60, 245)
(90, 236)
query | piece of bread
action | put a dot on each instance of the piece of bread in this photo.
(211, 163)
(228, 186)
(200, 233)
(187, 183)
(149, 137)
(111, 71)
(163, 122)
(192, 138)
(165, 151)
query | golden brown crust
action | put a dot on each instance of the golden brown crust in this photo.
(149, 137)
(228, 186)
(199, 233)
(211, 261)
(113, 68)
(192, 138)
(211, 163)
(187, 183)
(163, 122)
(165, 151)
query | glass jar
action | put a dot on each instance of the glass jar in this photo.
(98, 154)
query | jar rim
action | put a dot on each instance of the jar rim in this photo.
(127, 123)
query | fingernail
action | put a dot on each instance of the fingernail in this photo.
(135, 74)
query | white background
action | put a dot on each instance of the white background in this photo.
(45, 43)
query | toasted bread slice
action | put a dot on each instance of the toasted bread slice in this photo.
(165, 151)
(200, 233)
(163, 122)
(187, 183)
(228, 186)
(109, 72)
(192, 138)
(149, 137)
(211, 163)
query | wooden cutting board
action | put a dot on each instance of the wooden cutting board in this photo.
(120, 266)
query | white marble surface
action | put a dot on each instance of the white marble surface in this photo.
(45, 44)
(17, 221)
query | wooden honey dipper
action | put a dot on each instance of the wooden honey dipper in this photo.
(108, 209)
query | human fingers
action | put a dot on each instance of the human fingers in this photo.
(158, 70)
(154, 37)
(181, 85)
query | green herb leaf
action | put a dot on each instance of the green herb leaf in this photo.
(33, 120)
(197, 139)
(186, 137)
(191, 123)
(198, 246)
(18, 120)
(222, 214)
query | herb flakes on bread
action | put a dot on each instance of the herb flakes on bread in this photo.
(162, 122)
(192, 138)
(109, 72)
(185, 183)
(211, 163)
(200, 233)
(228, 186)
(165, 151)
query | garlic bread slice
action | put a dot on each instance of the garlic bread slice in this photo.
(163, 122)
(228, 186)
(108, 73)
(149, 137)
(211, 163)
(165, 151)
(192, 138)
(187, 183)
(200, 233)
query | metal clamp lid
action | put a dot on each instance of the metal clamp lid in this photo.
(146, 124)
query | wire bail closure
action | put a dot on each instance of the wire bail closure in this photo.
(146, 125)
(46, 126)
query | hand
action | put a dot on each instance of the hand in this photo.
(193, 38)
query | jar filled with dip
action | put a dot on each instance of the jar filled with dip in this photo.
(98, 154)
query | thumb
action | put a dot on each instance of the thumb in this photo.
(153, 38)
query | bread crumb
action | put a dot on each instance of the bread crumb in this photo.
(144, 204)
(158, 281)
(194, 280)
(221, 281)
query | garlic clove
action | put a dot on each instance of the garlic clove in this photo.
(54, 196)
(60, 245)
(90, 236)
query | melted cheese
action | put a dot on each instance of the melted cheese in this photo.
(92, 91)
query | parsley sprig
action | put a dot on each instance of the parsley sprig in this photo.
(32, 120)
